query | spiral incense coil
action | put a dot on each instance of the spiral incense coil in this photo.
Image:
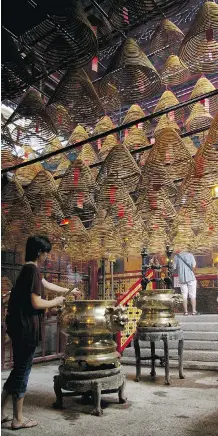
(10, 193)
(167, 100)
(103, 238)
(20, 210)
(199, 49)
(134, 113)
(104, 125)
(42, 185)
(121, 163)
(14, 74)
(206, 159)
(165, 121)
(203, 86)
(155, 175)
(108, 143)
(143, 158)
(185, 239)
(113, 193)
(170, 151)
(189, 144)
(126, 13)
(32, 122)
(25, 175)
(80, 203)
(174, 72)
(131, 73)
(8, 157)
(110, 98)
(206, 242)
(46, 226)
(49, 205)
(135, 139)
(78, 134)
(16, 234)
(150, 201)
(87, 154)
(166, 37)
(61, 119)
(198, 118)
(64, 37)
(77, 178)
(157, 242)
(74, 231)
(76, 92)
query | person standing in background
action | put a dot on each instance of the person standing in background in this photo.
(184, 264)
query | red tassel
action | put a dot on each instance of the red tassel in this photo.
(126, 133)
(200, 166)
(209, 35)
(112, 194)
(80, 200)
(171, 116)
(99, 144)
(121, 212)
(26, 155)
(48, 206)
(130, 221)
(76, 175)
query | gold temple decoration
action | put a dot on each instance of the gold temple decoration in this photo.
(108, 143)
(166, 37)
(32, 124)
(203, 86)
(165, 121)
(167, 100)
(121, 163)
(170, 151)
(198, 118)
(174, 72)
(78, 134)
(199, 49)
(76, 92)
(136, 138)
(131, 72)
(134, 113)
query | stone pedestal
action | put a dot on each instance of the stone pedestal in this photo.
(154, 334)
(89, 384)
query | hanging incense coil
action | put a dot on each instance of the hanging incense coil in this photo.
(155, 175)
(167, 100)
(108, 143)
(14, 74)
(104, 125)
(46, 226)
(103, 237)
(151, 201)
(87, 154)
(76, 92)
(135, 139)
(16, 234)
(189, 144)
(49, 205)
(198, 118)
(170, 151)
(25, 175)
(80, 203)
(78, 134)
(32, 122)
(184, 239)
(174, 72)
(8, 156)
(134, 113)
(110, 98)
(62, 38)
(61, 169)
(165, 121)
(126, 13)
(199, 49)
(75, 231)
(131, 72)
(12, 192)
(120, 162)
(166, 38)
(77, 178)
(20, 210)
(41, 186)
(206, 159)
(113, 192)
(61, 119)
(157, 242)
(203, 86)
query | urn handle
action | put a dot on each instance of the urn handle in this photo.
(116, 318)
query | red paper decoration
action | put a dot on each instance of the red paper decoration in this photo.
(113, 190)
(76, 175)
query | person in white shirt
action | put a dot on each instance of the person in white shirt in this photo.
(184, 264)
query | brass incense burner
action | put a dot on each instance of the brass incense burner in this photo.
(157, 308)
(90, 325)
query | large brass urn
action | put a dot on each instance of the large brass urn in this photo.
(157, 307)
(90, 325)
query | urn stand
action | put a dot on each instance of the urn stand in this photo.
(91, 364)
